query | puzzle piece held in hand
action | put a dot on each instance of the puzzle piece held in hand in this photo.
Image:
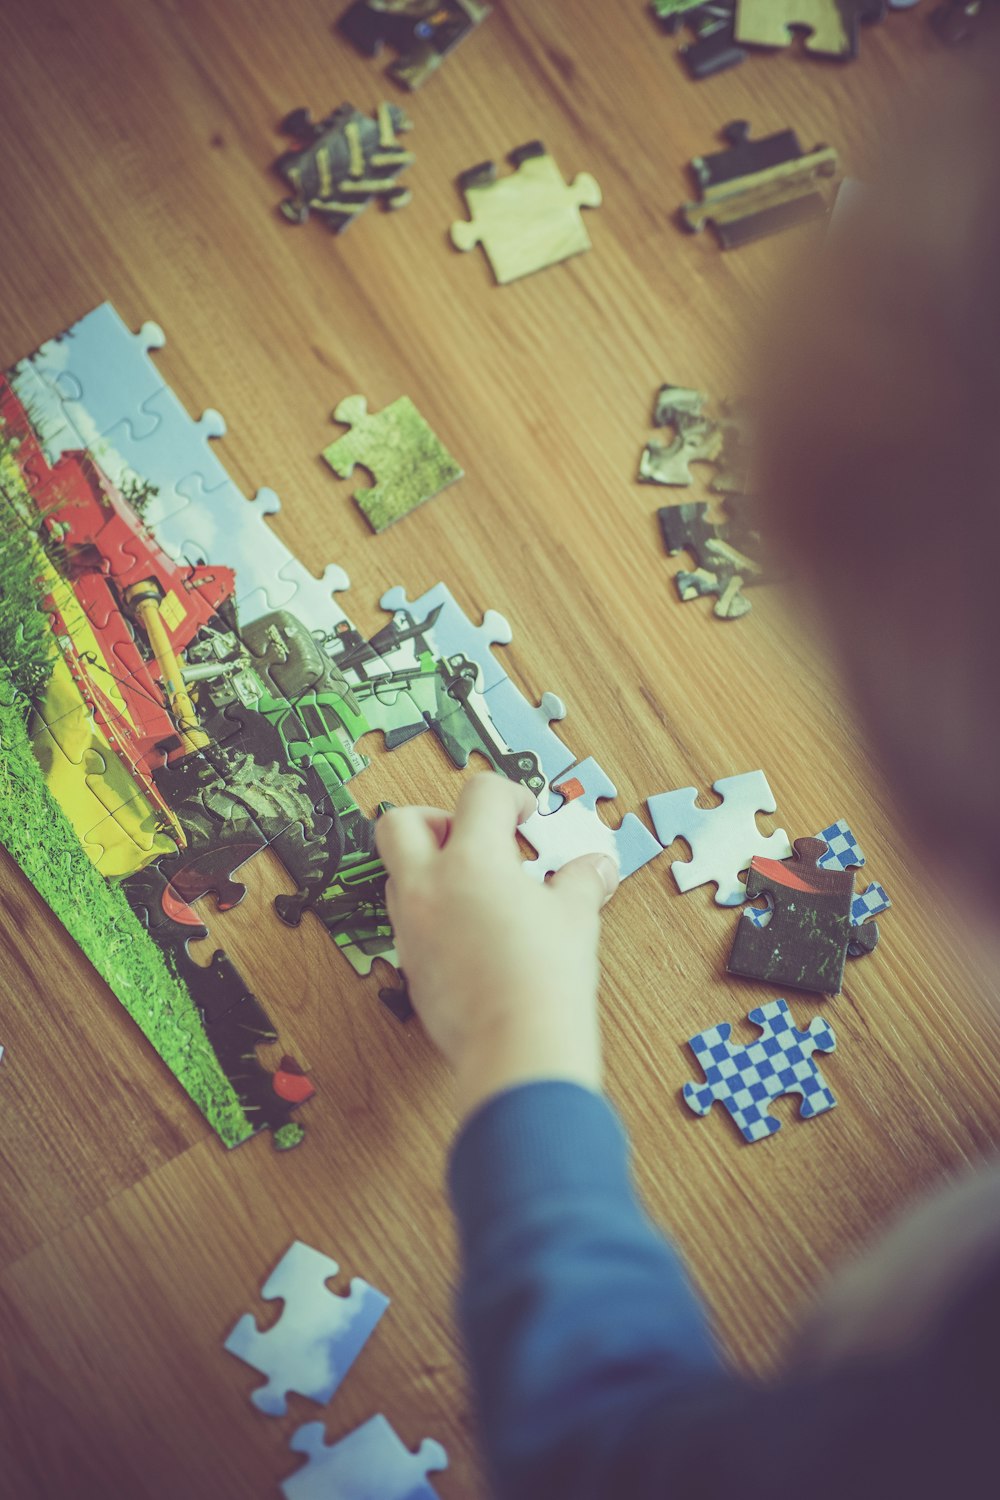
(746, 1079)
(318, 1336)
(370, 1463)
(723, 840)
(342, 162)
(423, 32)
(398, 448)
(527, 220)
(574, 828)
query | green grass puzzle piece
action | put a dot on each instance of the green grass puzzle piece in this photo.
(408, 463)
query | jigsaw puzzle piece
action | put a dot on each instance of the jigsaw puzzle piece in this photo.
(712, 24)
(453, 632)
(575, 828)
(408, 463)
(527, 220)
(757, 188)
(833, 25)
(423, 33)
(697, 437)
(723, 840)
(525, 726)
(165, 448)
(370, 1463)
(804, 944)
(746, 1079)
(342, 162)
(318, 1336)
(724, 566)
(100, 373)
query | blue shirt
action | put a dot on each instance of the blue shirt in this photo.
(596, 1373)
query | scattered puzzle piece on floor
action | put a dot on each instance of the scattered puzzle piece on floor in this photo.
(833, 25)
(370, 1463)
(727, 553)
(698, 438)
(756, 188)
(408, 463)
(746, 1078)
(527, 220)
(804, 943)
(318, 1336)
(712, 24)
(843, 852)
(422, 32)
(723, 840)
(342, 163)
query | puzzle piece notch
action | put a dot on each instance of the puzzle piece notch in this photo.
(370, 1463)
(422, 34)
(833, 25)
(712, 24)
(804, 945)
(723, 840)
(317, 1338)
(408, 463)
(342, 162)
(746, 1078)
(528, 220)
(757, 188)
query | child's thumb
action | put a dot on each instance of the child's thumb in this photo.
(591, 878)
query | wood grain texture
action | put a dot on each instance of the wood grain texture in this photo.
(138, 140)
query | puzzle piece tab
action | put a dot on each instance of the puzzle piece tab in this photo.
(423, 32)
(397, 447)
(746, 1079)
(342, 162)
(527, 220)
(318, 1336)
(723, 840)
(756, 188)
(370, 1463)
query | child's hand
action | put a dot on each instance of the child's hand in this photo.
(502, 972)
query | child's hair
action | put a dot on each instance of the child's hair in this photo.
(881, 461)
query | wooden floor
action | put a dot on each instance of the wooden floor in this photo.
(137, 142)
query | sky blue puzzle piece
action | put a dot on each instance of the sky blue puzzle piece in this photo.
(454, 632)
(160, 443)
(318, 1337)
(746, 1079)
(574, 828)
(370, 1463)
(99, 371)
(525, 726)
(723, 840)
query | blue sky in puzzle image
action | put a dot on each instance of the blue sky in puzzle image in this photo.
(73, 389)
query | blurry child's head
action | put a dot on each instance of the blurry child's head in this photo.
(882, 463)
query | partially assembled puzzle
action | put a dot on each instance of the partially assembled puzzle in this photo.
(177, 693)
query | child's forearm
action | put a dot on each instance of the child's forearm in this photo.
(577, 1314)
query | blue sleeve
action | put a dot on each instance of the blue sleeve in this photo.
(595, 1372)
(577, 1315)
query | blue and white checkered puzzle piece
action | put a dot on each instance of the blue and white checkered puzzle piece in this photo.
(318, 1336)
(370, 1463)
(746, 1079)
(843, 853)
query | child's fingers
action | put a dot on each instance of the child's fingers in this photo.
(590, 878)
(406, 836)
(488, 812)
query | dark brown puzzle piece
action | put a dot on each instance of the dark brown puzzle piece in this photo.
(804, 945)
